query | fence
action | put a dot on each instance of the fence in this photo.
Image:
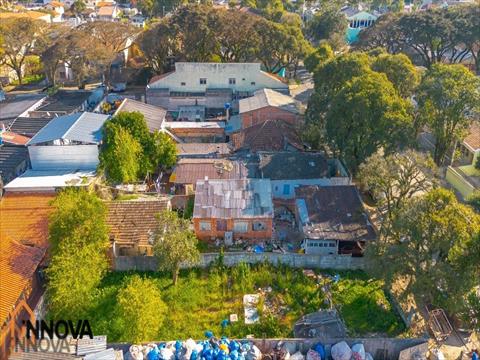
(336, 262)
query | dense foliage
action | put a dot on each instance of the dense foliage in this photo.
(206, 34)
(434, 247)
(130, 151)
(446, 34)
(175, 244)
(203, 298)
(78, 235)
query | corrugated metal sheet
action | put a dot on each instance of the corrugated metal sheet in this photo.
(154, 115)
(226, 199)
(81, 157)
(268, 97)
(83, 127)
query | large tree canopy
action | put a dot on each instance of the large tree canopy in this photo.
(79, 240)
(203, 33)
(436, 35)
(434, 246)
(366, 115)
(448, 97)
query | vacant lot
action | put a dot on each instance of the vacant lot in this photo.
(204, 298)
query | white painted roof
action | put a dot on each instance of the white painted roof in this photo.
(49, 180)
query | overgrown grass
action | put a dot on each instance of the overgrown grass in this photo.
(202, 299)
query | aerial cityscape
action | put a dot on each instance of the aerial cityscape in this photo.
(239, 180)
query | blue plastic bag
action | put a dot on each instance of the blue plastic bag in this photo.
(319, 348)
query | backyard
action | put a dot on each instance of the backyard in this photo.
(204, 298)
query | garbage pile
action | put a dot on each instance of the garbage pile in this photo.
(225, 349)
(211, 349)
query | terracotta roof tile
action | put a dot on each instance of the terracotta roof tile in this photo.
(189, 171)
(473, 139)
(134, 221)
(24, 241)
(272, 135)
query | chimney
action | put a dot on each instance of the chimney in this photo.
(206, 186)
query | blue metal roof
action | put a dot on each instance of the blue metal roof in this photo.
(83, 127)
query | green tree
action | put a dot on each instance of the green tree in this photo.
(366, 115)
(18, 38)
(79, 240)
(434, 246)
(175, 243)
(330, 24)
(318, 57)
(78, 7)
(399, 70)
(448, 96)
(165, 150)
(141, 309)
(135, 124)
(120, 154)
(396, 178)
(474, 200)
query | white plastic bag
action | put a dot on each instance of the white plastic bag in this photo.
(358, 352)
(341, 351)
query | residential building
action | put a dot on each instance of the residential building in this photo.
(289, 170)
(332, 220)
(65, 102)
(267, 104)
(357, 21)
(11, 138)
(13, 162)
(464, 176)
(270, 135)
(58, 10)
(19, 106)
(108, 13)
(68, 142)
(133, 223)
(203, 150)
(210, 84)
(194, 132)
(187, 172)
(24, 234)
(233, 210)
(27, 126)
(154, 115)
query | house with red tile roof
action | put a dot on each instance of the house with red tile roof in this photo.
(23, 247)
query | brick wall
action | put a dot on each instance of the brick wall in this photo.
(250, 234)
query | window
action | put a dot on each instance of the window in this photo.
(332, 245)
(205, 226)
(240, 226)
(231, 81)
(252, 83)
(259, 226)
(203, 81)
(183, 84)
(286, 189)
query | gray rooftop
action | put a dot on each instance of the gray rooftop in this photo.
(154, 115)
(10, 158)
(268, 97)
(233, 199)
(16, 105)
(65, 101)
(83, 127)
(292, 165)
(27, 126)
(204, 149)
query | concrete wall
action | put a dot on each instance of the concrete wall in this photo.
(248, 77)
(337, 262)
(63, 157)
(459, 182)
